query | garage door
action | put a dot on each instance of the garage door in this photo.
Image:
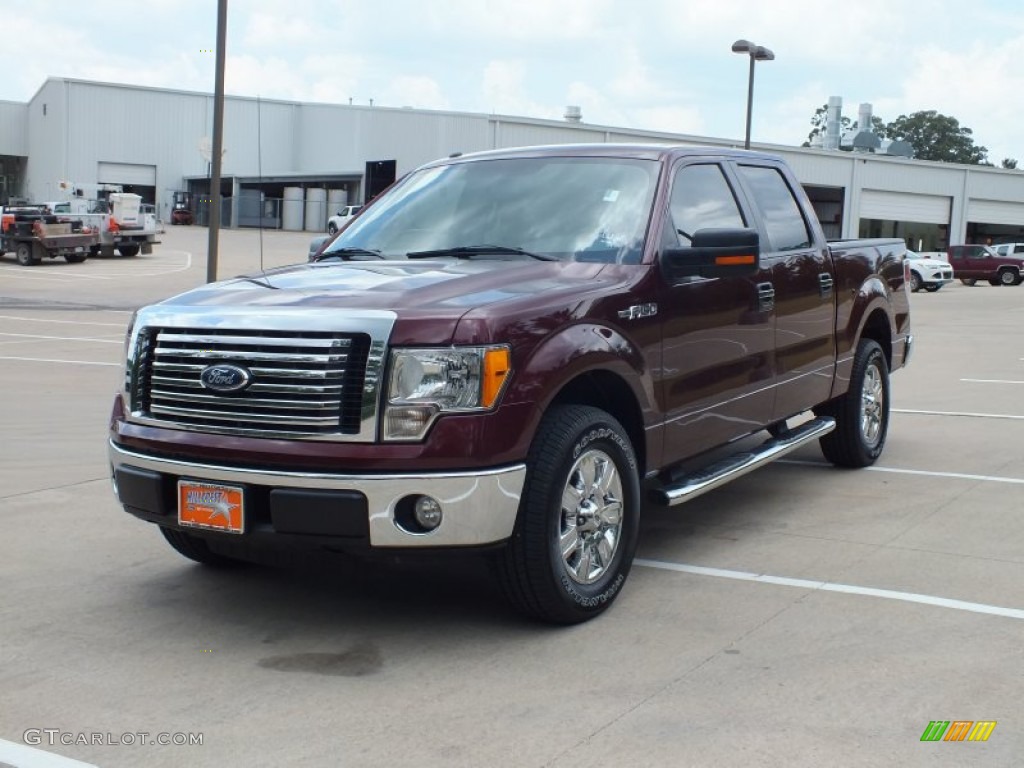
(995, 212)
(127, 174)
(900, 206)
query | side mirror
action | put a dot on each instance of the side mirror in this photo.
(715, 253)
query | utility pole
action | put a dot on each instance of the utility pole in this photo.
(218, 141)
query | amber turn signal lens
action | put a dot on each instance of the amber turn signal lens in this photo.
(732, 260)
(497, 365)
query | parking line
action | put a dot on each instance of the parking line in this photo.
(63, 338)
(65, 322)
(32, 757)
(922, 472)
(992, 381)
(960, 413)
(827, 586)
(51, 360)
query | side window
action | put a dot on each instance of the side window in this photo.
(701, 199)
(786, 228)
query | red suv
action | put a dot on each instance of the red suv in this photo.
(972, 263)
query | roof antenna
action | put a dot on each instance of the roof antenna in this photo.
(259, 170)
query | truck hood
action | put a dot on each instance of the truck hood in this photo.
(434, 288)
(927, 262)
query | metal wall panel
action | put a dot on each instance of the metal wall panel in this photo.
(13, 128)
(995, 212)
(512, 134)
(896, 206)
(47, 142)
(821, 168)
(995, 184)
(341, 139)
(900, 175)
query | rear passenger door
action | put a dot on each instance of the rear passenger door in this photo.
(802, 282)
(717, 367)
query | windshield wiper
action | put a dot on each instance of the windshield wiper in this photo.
(346, 253)
(469, 251)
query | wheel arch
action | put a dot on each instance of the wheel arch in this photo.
(591, 364)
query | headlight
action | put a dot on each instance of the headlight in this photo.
(427, 382)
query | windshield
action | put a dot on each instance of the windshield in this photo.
(584, 209)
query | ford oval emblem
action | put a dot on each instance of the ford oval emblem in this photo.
(225, 378)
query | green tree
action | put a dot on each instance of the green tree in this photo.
(939, 137)
(1009, 162)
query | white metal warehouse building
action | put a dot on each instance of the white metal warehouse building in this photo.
(148, 140)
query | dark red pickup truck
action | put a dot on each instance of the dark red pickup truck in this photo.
(513, 351)
(972, 263)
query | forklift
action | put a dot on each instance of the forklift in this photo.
(181, 210)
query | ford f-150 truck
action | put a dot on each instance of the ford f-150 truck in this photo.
(514, 351)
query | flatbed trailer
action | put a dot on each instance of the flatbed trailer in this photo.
(32, 234)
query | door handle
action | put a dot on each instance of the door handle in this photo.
(765, 297)
(825, 284)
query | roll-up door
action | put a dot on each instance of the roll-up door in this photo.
(127, 174)
(995, 212)
(902, 206)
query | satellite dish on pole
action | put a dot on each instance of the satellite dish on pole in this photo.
(205, 147)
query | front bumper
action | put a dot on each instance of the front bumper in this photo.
(479, 507)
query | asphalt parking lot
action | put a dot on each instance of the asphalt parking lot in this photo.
(803, 615)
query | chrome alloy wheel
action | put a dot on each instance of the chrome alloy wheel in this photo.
(591, 518)
(872, 404)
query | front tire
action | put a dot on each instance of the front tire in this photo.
(862, 414)
(578, 520)
(195, 548)
(970, 281)
(1009, 277)
(332, 228)
(915, 282)
(933, 287)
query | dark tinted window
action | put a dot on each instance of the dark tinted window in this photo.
(701, 199)
(783, 220)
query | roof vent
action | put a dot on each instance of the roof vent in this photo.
(573, 114)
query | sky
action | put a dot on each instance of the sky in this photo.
(661, 65)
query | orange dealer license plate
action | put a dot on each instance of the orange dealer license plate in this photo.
(213, 507)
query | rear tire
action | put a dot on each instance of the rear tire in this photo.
(968, 280)
(26, 255)
(578, 521)
(128, 250)
(195, 548)
(75, 258)
(862, 414)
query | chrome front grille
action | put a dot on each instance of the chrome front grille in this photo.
(303, 384)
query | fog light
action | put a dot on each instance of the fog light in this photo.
(427, 512)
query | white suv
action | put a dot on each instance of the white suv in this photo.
(928, 272)
(342, 217)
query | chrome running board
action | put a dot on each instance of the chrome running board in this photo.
(721, 472)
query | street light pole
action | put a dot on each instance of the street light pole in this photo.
(756, 53)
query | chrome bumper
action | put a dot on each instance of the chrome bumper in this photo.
(479, 507)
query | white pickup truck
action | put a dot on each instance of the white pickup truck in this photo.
(120, 220)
